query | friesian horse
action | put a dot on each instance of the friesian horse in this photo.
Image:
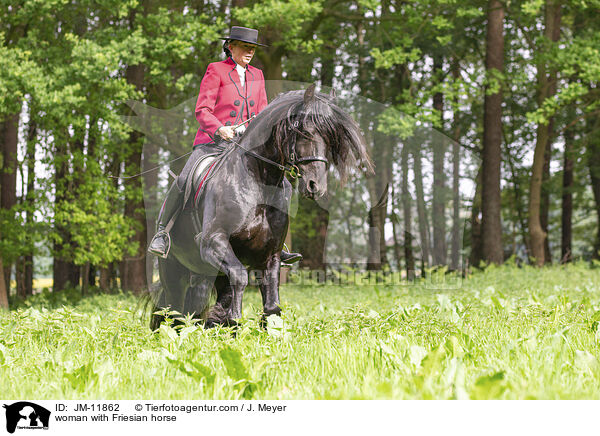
(239, 218)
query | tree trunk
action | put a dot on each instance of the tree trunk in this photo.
(272, 67)
(8, 174)
(20, 277)
(30, 200)
(377, 245)
(64, 272)
(456, 224)
(547, 88)
(421, 209)
(408, 237)
(594, 168)
(106, 281)
(517, 199)
(491, 225)
(92, 275)
(85, 278)
(3, 288)
(308, 236)
(545, 202)
(108, 274)
(133, 268)
(397, 245)
(395, 219)
(439, 179)
(566, 246)
(476, 245)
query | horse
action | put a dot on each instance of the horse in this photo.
(239, 219)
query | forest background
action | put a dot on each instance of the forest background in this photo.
(486, 137)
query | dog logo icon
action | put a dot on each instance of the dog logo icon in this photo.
(26, 415)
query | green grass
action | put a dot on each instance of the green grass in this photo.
(506, 333)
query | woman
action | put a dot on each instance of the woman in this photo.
(231, 93)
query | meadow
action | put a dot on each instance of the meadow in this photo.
(504, 333)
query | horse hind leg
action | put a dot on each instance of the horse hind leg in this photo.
(174, 278)
(197, 297)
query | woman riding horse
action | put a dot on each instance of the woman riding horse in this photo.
(231, 93)
(237, 223)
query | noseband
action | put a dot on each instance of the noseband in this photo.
(293, 162)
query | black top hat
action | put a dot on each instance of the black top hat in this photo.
(244, 34)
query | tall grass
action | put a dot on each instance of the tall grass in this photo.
(505, 333)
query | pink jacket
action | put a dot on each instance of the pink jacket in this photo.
(223, 101)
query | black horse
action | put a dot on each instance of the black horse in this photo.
(239, 219)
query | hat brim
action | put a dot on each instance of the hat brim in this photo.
(244, 40)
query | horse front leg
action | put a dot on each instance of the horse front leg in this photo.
(217, 252)
(269, 287)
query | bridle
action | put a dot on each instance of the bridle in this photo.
(291, 164)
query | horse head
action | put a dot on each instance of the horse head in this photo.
(316, 133)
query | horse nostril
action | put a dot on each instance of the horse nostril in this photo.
(312, 186)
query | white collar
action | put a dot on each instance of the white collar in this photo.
(241, 73)
(238, 66)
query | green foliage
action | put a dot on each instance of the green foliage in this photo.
(16, 77)
(393, 122)
(505, 333)
(289, 15)
(532, 7)
(98, 234)
(398, 55)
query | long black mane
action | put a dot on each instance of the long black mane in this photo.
(287, 117)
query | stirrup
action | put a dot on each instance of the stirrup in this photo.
(165, 254)
(294, 257)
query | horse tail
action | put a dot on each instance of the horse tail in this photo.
(150, 304)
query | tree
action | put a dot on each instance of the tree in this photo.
(547, 88)
(491, 227)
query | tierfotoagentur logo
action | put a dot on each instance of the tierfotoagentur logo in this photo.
(26, 416)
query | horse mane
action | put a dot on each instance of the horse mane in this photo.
(288, 117)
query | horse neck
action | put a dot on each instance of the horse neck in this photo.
(267, 173)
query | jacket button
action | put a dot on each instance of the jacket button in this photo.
(228, 123)
(251, 102)
(237, 102)
(232, 113)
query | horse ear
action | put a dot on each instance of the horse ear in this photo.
(309, 94)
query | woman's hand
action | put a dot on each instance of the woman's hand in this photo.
(226, 132)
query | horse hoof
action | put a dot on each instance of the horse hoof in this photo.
(231, 323)
(212, 323)
(209, 324)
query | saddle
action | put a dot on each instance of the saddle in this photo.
(195, 180)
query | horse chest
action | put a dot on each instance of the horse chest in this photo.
(263, 229)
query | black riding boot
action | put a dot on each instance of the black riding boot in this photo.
(161, 243)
